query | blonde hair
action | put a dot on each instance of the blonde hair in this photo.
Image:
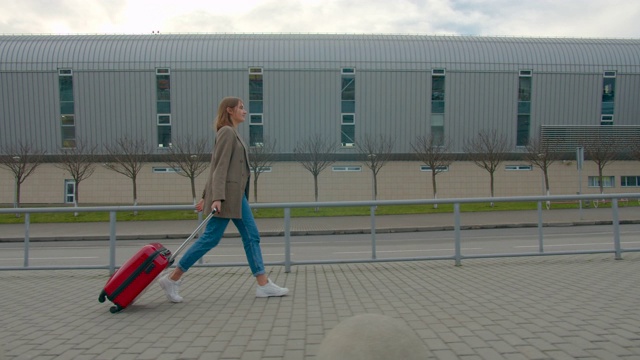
(224, 118)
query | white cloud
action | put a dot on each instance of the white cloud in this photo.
(567, 18)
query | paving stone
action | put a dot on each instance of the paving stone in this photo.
(509, 308)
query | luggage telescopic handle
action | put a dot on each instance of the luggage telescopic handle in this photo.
(193, 235)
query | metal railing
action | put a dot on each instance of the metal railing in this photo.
(457, 257)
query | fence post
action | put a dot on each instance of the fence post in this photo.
(616, 228)
(373, 233)
(27, 224)
(112, 242)
(456, 221)
(287, 240)
(540, 236)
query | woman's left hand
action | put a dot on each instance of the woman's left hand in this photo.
(200, 205)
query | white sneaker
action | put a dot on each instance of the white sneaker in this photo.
(170, 288)
(270, 289)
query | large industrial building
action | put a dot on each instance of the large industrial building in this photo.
(59, 90)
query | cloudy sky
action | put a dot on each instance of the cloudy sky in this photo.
(546, 18)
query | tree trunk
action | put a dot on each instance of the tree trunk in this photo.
(491, 175)
(135, 196)
(76, 197)
(315, 185)
(435, 187)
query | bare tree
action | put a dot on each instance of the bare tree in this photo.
(261, 157)
(21, 159)
(542, 154)
(432, 152)
(487, 150)
(128, 157)
(79, 163)
(635, 148)
(188, 156)
(602, 148)
(376, 151)
(314, 154)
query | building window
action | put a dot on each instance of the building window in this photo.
(437, 105)
(164, 131)
(164, 170)
(256, 99)
(163, 106)
(348, 107)
(346, 168)
(629, 181)
(524, 108)
(256, 91)
(69, 191)
(518, 167)
(262, 169)
(608, 92)
(348, 92)
(439, 168)
(606, 120)
(348, 130)
(67, 108)
(256, 130)
(607, 181)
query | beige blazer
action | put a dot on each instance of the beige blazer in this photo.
(229, 174)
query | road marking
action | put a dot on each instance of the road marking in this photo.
(399, 251)
(54, 258)
(588, 244)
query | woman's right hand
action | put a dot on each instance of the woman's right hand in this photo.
(215, 207)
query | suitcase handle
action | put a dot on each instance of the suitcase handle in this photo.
(193, 235)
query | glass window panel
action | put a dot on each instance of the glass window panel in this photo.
(164, 119)
(256, 119)
(66, 88)
(437, 120)
(524, 107)
(607, 108)
(607, 181)
(524, 89)
(437, 107)
(437, 88)
(608, 89)
(164, 87)
(523, 130)
(348, 106)
(255, 88)
(66, 107)
(255, 107)
(348, 119)
(348, 88)
(164, 107)
(164, 136)
(68, 120)
(256, 135)
(348, 134)
(68, 136)
(438, 135)
(630, 181)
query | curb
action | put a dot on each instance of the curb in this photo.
(322, 232)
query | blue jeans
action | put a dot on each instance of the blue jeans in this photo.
(213, 233)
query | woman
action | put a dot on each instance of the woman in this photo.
(226, 191)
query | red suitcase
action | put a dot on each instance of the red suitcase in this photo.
(128, 282)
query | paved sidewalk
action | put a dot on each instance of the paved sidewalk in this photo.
(554, 307)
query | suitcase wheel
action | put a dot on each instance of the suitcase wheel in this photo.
(115, 309)
(103, 296)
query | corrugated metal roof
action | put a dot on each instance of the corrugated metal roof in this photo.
(46, 52)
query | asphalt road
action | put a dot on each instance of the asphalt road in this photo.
(342, 247)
